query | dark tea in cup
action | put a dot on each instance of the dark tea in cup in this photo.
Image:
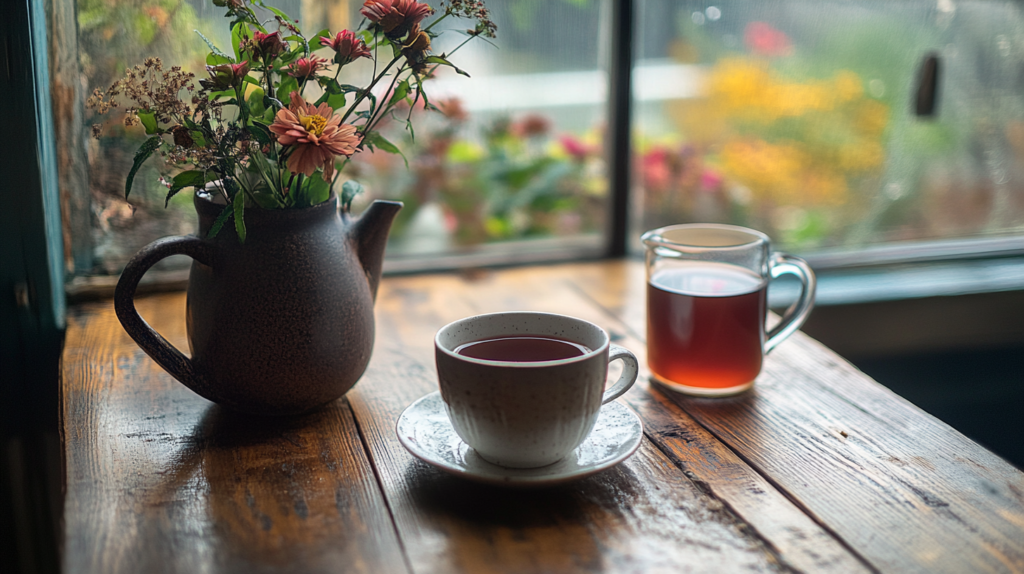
(522, 349)
(524, 389)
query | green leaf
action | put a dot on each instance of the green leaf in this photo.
(315, 190)
(330, 85)
(215, 60)
(148, 119)
(193, 178)
(350, 88)
(260, 132)
(219, 222)
(214, 51)
(401, 90)
(336, 101)
(256, 106)
(145, 150)
(349, 190)
(238, 207)
(283, 16)
(374, 139)
(444, 62)
(222, 94)
(236, 37)
(314, 40)
(285, 88)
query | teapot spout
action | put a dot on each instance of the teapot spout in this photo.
(369, 234)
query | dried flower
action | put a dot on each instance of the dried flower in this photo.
(347, 47)
(305, 68)
(473, 10)
(182, 137)
(315, 136)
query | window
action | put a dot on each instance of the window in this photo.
(514, 167)
(825, 123)
(841, 128)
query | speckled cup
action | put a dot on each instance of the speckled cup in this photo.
(527, 414)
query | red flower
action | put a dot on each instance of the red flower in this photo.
(763, 39)
(268, 45)
(395, 17)
(347, 47)
(307, 67)
(315, 134)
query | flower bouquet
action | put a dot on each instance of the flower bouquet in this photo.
(270, 126)
(281, 323)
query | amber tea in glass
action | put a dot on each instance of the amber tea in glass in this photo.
(707, 303)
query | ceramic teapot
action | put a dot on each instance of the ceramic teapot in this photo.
(280, 324)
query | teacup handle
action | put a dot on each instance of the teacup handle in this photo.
(782, 264)
(630, 370)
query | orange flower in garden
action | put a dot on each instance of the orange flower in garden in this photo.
(315, 136)
(395, 17)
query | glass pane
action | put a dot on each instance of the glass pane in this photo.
(515, 156)
(803, 119)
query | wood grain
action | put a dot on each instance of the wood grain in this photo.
(160, 480)
(645, 515)
(902, 489)
(818, 469)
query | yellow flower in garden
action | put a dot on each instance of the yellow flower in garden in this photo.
(871, 117)
(848, 86)
(860, 156)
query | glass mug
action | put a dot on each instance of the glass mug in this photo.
(707, 288)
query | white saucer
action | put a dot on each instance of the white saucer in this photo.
(424, 429)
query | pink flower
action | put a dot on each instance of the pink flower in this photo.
(347, 47)
(765, 40)
(395, 17)
(575, 147)
(315, 136)
(656, 170)
(268, 45)
(710, 180)
(306, 68)
(225, 76)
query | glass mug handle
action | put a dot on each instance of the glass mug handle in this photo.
(782, 264)
(630, 370)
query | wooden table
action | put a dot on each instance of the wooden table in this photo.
(818, 469)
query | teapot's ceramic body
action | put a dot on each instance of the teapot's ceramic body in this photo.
(280, 324)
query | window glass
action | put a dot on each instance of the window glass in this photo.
(514, 157)
(815, 121)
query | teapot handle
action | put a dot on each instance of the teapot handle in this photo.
(166, 355)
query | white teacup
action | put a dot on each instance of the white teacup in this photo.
(520, 414)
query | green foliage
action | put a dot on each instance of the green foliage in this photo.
(349, 190)
(141, 156)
